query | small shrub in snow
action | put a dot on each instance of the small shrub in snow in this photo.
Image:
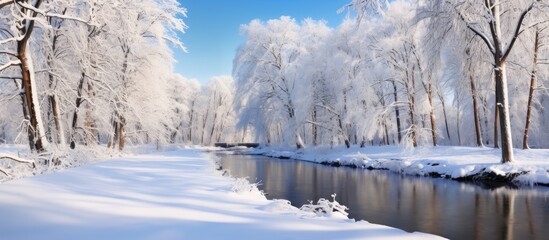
(326, 208)
(280, 206)
(242, 185)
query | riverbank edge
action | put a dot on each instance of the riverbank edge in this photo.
(487, 174)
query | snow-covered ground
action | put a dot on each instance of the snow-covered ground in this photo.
(170, 195)
(531, 166)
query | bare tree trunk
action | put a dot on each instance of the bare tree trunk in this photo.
(502, 94)
(478, 131)
(299, 141)
(246, 129)
(496, 126)
(121, 108)
(24, 108)
(531, 93)
(429, 89)
(504, 116)
(443, 102)
(204, 122)
(386, 130)
(121, 134)
(219, 103)
(115, 135)
(191, 116)
(458, 121)
(397, 112)
(55, 111)
(343, 134)
(411, 107)
(485, 117)
(60, 136)
(221, 128)
(314, 129)
(90, 122)
(34, 133)
(78, 102)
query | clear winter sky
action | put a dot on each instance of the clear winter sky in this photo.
(214, 29)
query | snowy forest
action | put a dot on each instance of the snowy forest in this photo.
(80, 73)
(415, 73)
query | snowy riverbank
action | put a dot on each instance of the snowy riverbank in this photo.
(171, 195)
(459, 163)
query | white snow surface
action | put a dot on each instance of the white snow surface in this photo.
(170, 195)
(453, 162)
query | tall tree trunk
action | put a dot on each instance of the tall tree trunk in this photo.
(60, 136)
(531, 93)
(90, 122)
(204, 121)
(397, 112)
(443, 102)
(386, 130)
(60, 132)
(191, 125)
(78, 102)
(411, 107)
(429, 89)
(221, 128)
(458, 122)
(343, 134)
(35, 130)
(299, 141)
(121, 133)
(314, 129)
(219, 103)
(485, 117)
(115, 133)
(504, 115)
(26, 114)
(478, 131)
(496, 125)
(502, 92)
(246, 129)
(121, 107)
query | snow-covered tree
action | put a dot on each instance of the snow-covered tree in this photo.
(499, 25)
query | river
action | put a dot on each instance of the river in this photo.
(439, 206)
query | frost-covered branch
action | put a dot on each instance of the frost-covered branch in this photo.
(13, 39)
(4, 172)
(8, 53)
(4, 3)
(472, 27)
(364, 7)
(516, 34)
(16, 159)
(49, 14)
(9, 64)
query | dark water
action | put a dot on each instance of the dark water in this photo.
(438, 206)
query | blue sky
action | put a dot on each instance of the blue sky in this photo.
(214, 29)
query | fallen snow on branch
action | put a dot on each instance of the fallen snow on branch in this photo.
(171, 195)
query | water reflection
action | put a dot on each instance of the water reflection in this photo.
(443, 207)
